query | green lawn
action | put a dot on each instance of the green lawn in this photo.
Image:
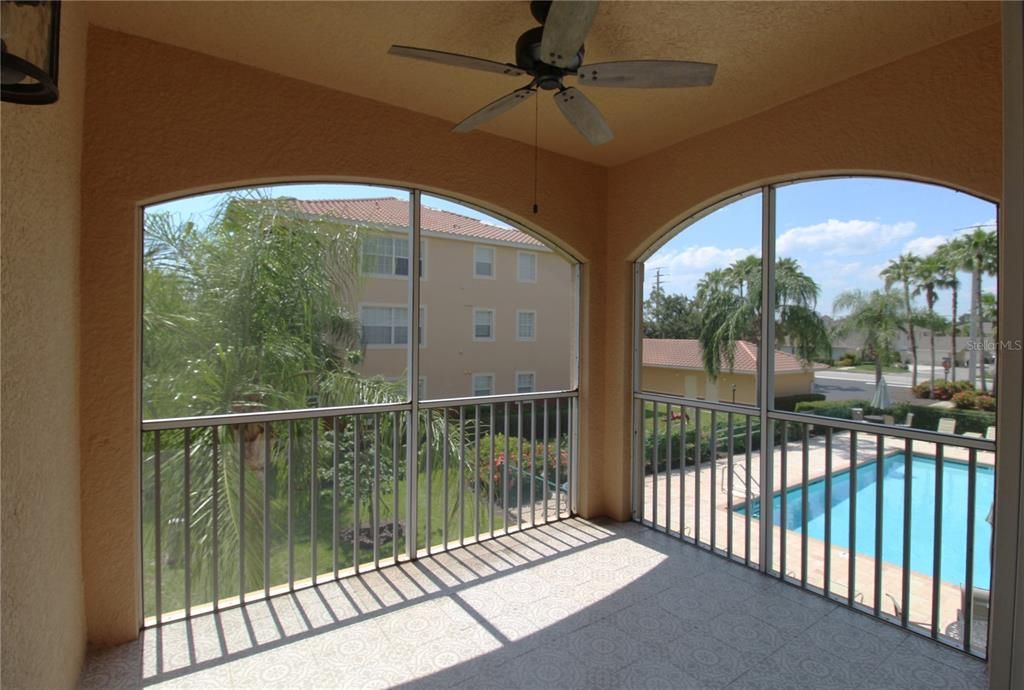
(173, 578)
(871, 369)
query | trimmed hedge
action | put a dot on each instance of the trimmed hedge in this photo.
(788, 403)
(925, 417)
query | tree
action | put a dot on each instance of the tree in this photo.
(980, 253)
(950, 258)
(729, 301)
(878, 315)
(902, 271)
(931, 275)
(670, 316)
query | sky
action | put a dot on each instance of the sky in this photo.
(842, 231)
(201, 209)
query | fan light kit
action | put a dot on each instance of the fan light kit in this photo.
(554, 50)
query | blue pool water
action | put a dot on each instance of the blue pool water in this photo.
(922, 514)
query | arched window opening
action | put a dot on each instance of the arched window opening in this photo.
(870, 426)
(335, 376)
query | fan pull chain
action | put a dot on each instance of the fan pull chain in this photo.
(536, 119)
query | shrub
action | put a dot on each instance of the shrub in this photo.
(837, 409)
(986, 403)
(927, 417)
(788, 403)
(943, 389)
(965, 400)
(847, 360)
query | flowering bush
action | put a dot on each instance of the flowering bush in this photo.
(970, 400)
(940, 389)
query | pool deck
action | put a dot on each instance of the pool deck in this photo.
(715, 518)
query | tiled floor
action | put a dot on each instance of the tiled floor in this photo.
(574, 604)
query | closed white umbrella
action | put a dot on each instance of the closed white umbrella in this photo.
(881, 399)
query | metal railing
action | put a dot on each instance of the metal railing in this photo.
(890, 521)
(238, 507)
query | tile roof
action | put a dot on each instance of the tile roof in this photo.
(687, 354)
(395, 212)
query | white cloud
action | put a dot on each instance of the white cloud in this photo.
(842, 237)
(697, 259)
(923, 246)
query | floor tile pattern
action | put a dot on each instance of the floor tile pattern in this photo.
(574, 604)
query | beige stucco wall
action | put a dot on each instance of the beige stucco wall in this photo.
(154, 132)
(450, 293)
(42, 637)
(693, 383)
(934, 115)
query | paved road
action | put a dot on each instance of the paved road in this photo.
(845, 385)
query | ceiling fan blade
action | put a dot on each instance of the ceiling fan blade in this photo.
(648, 74)
(584, 116)
(493, 110)
(456, 60)
(565, 29)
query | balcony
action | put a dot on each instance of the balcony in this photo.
(567, 604)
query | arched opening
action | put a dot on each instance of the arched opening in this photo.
(871, 427)
(336, 376)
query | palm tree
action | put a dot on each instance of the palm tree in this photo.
(980, 250)
(930, 276)
(902, 270)
(951, 257)
(878, 315)
(729, 300)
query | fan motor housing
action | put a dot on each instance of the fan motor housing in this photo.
(528, 59)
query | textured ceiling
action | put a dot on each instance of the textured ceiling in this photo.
(767, 53)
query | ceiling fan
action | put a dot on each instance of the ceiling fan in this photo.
(554, 50)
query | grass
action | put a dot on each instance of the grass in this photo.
(173, 577)
(871, 369)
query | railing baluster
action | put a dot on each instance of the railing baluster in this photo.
(490, 463)
(642, 508)
(357, 422)
(504, 474)
(851, 577)
(713, 447)
(784, 499)
(682, 471)
(188, 521)
(158, 547)
(395, 455)
(476, 472)
(908, 497)
(430, 483)
(574, 411)
(730, 449)
(375, 504)
(805, 460)
(558, 454)
(519, 466)
(444, 466)
(241, 513)
(314, 495)
(668, 469)
(533, 463)
(215, 518)
(879, 498)
(937, 541)
(827, 584)
(462, 475)
(654, 467)
(334, 495)
(696, 474)
(544, 465)
(972, 503)
(291, 516)
(267, 465)
(747, 497)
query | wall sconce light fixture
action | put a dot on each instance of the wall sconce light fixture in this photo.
(30, 42)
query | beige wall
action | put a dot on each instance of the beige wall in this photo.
(693, 383)
(42, 638)
(934, 115)
(450, 292)
(155, 132)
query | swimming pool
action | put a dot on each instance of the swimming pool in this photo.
(922, 514)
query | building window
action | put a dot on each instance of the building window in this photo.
(483, 324)
(483, 384)
(483, 262)
(384, 325)
(525, 381)
(526, 267)
(526, 324)
(387, 255)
